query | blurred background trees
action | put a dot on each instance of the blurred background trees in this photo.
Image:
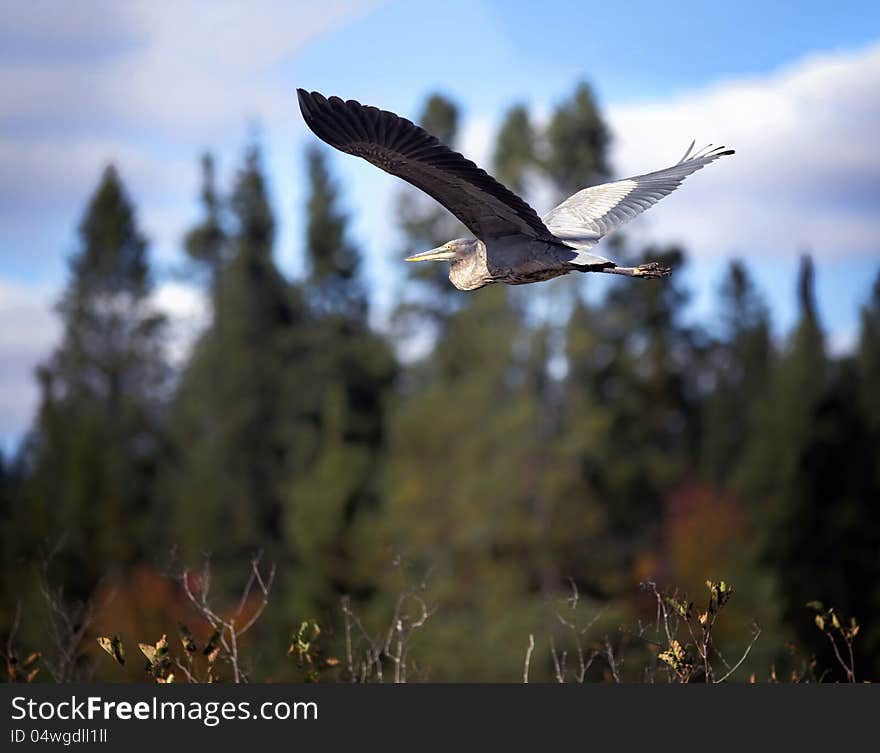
(93, 459)
(498, 451)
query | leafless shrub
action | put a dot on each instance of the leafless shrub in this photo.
(570, 620)
(69, 621)
(369, 657)
(228, 631)
(682, 639)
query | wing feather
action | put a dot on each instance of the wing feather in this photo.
(399, 147)
(587, 216)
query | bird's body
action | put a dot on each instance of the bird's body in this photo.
(514, 260)
(513, 244)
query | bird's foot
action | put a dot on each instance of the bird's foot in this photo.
(651, 270)
(648, 271)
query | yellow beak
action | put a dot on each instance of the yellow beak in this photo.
(441, 253)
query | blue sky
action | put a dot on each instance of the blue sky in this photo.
(793, 86)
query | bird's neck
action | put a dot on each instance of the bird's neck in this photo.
(470, 270)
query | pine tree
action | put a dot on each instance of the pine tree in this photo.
(806, 473)
(206, 243)
(577, 143)
(785, 421)
(460, 491)
(869, 366)
(97, 438)
(228, 428)
(865, 520)
(515, 149)
(334, 282)
(337, 393)
(632, 407)
(740, 372)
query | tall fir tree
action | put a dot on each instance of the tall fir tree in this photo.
(514, 153)
(97, 439)
(337, 394)
(206, 243)
(458, 505)
(576, 143)
(334, 278)
(740, 371)
(225, 483)
(630, 381)
(785, 419)
(807, 473)
(865, 518)
(868, 359)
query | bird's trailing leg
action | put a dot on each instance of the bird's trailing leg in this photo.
(648, 271)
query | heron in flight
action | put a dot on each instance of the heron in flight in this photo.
(512, 244)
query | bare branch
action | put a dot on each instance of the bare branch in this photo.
(560, 677)
(612, 661)
(743, 657)
(228, 632)
(528, 658)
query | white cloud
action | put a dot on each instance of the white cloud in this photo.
(807, 169)
(181, 67)
(29, 330)
(188, 313)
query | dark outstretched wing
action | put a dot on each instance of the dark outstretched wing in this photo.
(399, 147)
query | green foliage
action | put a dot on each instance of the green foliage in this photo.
(206, 242)
(809, 470)
(868, 364)
(333, 261)
(97, 441)
(339, 425)
(225, 479)
(577, 143)
(305, 651)
(112, 259)
(739, 368)
(515, 149)
(459, 498)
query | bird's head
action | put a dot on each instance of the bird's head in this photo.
(458, 249)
